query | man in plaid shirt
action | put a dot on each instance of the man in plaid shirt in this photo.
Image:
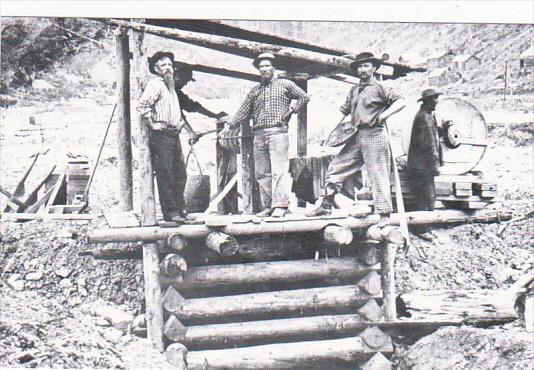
(269, 106)
(369, 105)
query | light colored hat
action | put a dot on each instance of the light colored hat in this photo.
(263, 56)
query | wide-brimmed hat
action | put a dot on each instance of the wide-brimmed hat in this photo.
(428, 93)
(364, 58)
(157, 57)
(183, 69)
(264, 56)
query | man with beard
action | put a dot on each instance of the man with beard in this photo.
(269, 106)
(370, 104)
(160, 110)
(425, 156)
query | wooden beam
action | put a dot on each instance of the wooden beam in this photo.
(48, 216)
(12, 201)
(269, 272)
(295, 355)
(285, 226)
(481, 305)
(265, 303)
(247, 170)
(20, 189)
(153, 298)
(57, 187)
(388, 281)
(124, 139)
(41, 201)
(302, 124)
(223, 72)
(240, 333)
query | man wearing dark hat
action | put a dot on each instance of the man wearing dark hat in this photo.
(160, 110)
(425, 156)
(269, 106)
(370, 104)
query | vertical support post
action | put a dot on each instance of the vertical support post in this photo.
(249, 190)
(302, 130)
(389, 251)
(124, 131)
(302, 124)
(153, 296)
(226, 168)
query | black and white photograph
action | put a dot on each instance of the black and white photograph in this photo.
(267, 185)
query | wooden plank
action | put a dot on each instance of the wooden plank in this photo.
(488, 193)
(460, 304)
(485, 186)
(41, 201)
(47, 216)
(20, 189)
(269, 272)
(222, 193)
(57, 187)
(463, 185)
(124, 139)
(471, 205)
(463, 192)
(12, 201)
(121, 219)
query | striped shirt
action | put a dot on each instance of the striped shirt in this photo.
(267, 103)
(160, 103)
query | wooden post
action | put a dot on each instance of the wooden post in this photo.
(124, 131)
(302, 129)
(388, 281)
(154, 306)
(248, 179)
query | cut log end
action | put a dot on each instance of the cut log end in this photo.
(176, 355)
(224, 244)
(371, 311)
(176, 242)
(375, 338)
(377, 362)
(371, 283)
(337, 235)
(174, 329)
(173, 265)
(172, 300)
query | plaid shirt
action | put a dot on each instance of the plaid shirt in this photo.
(160, 103)
(267, 103)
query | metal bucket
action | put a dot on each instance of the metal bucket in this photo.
(197, 189)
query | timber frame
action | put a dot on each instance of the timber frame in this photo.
(186, 267)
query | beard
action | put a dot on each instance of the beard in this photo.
(168, 78)
(266, 77)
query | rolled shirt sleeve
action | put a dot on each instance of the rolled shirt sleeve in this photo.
(295, 92)
(347, 105)
(148, 98)
(244, 112)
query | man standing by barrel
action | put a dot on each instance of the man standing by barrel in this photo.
(269, 106)
(160, 109)
(370, 104)
(425, 156)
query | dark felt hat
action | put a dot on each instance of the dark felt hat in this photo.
(364, 58)
(428, 93)
(158, 56)
(264, 56)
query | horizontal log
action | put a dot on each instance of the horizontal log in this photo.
(241, 333)
(299, 355)
(48, 216)
(259, 304)
(268, 272)
(478, 305)
(293, 226)
(386, 234)
(269, 247)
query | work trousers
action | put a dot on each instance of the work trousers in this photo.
(171, 175)
(369, 147)
(272, 168)
(424, 190)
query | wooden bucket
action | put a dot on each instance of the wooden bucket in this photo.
(197, 189)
